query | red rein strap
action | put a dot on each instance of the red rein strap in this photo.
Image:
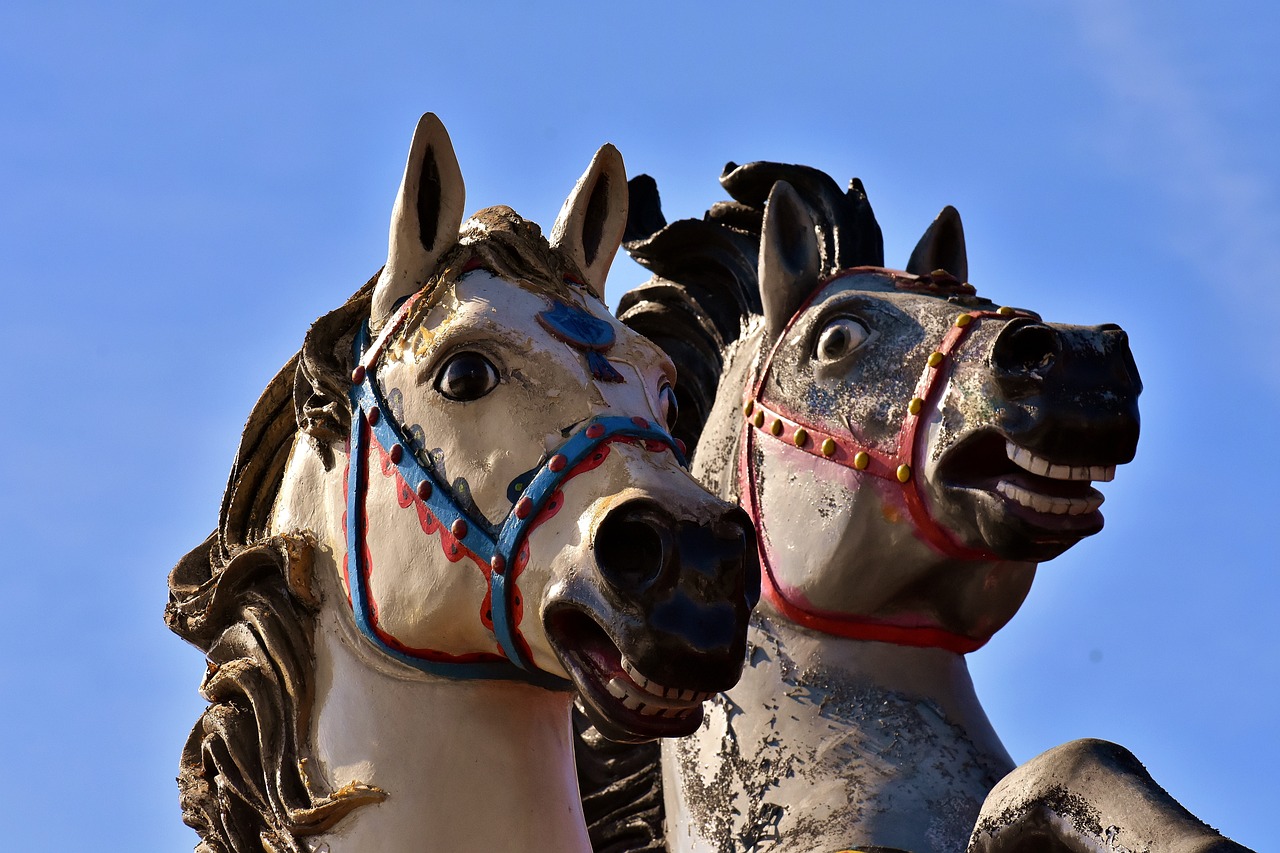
(897, 465)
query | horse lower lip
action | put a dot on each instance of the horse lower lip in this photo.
(1036, 524)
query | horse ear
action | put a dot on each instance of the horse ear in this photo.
(789, 257)
(590, 225)
(942, 247)
(425, 219)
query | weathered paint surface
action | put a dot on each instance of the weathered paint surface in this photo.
(834, 742)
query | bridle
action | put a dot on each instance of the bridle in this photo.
(896, 464)
(496, 552)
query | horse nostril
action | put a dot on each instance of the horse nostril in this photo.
(633, 544)
(1025, 347)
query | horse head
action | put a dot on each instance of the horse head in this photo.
(914, 448)
(943, 444)
(523, 465)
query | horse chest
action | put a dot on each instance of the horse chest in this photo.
(802, 755)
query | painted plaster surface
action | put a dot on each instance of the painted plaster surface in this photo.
(819, 746)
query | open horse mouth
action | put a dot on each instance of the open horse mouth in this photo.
(1046, 488)
(621, 701)
(1023, 495)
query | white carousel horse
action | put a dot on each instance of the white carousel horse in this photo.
(458, 505)
(909, 452)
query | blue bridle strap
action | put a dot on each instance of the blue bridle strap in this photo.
(369, 410)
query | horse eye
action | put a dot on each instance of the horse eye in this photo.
(841, 337)
(467, 376)
(670, 409)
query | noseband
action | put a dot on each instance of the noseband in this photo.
(370, 416)
(897, 465)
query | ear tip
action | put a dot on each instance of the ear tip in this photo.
(949, 212)
(786, 201)
(430, 130)
(783, 190)
(608, 156)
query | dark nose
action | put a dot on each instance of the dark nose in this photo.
(1071, 392)
(640, 545)
(690, 585)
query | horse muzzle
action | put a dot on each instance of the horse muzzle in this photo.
(1067, 415)
(658, 625)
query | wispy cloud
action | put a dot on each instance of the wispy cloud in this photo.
(1170, 134)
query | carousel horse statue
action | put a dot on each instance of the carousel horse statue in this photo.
(909, 452)
(457, 507)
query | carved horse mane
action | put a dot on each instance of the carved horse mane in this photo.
(245, 597)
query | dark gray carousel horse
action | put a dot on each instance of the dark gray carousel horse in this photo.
(910, 452)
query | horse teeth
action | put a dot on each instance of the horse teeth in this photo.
(640, 680)
(676, 703)
(1049, 504)
(1028, 461)
(655, 689)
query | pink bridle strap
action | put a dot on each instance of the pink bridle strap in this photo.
(896, 463)
(835, 624)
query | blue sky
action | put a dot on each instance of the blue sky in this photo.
(183, 188)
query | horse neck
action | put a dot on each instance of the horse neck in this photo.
(865, 743)
(787, 655)
(466, 765)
